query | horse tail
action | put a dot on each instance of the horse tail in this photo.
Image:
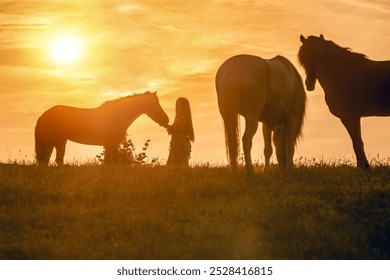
(228, 102)
(280, 140)
(301, 95)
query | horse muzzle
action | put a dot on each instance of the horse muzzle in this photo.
(165, 123)
(310, 85)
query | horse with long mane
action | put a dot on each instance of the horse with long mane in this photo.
(354, 85)
(270, 91)
(105, 125)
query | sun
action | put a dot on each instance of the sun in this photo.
(66, 50)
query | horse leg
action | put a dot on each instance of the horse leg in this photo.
(290, 139)
(354, 129)
(115, 153)
(281, 146)
(250, 130)
(267, 133)
(60, 152)
(107, 154)
(292, 128)
(110, 153)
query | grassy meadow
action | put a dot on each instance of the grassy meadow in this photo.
(316, 211)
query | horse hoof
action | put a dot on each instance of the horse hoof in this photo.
(363, 166)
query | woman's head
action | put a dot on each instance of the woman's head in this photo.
(183, 117)
(183, 106)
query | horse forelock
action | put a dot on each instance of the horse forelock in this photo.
(309, 53)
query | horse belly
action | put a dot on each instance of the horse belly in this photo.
(84, 139)
(371, 96)
(380, 109)
(93, 134)
(383, 98)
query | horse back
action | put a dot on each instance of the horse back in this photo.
(61, 115)
(245, 78)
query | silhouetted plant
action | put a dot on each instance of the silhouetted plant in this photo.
(127, 153)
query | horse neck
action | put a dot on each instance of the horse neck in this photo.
(336, 59)
(126, 111)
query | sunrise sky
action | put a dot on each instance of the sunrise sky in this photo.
(174, 48)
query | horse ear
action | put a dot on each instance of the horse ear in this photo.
(321, 36)
(303, 39)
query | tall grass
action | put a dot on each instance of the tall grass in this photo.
(316, 211)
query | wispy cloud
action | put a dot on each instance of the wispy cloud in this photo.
(32, 57)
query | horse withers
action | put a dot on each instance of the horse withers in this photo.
(270, 91)
(105, 125)
(354, 85)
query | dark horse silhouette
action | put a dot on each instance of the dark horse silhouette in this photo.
(261, 90)
(105, 125)
(354, 86)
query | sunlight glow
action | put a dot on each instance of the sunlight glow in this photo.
(66, 50)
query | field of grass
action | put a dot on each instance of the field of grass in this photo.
(316, 211)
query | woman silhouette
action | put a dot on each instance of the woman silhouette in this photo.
(182, 133)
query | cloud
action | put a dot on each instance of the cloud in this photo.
(32, 57)
(21, 26)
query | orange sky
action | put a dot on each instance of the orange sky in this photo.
(174, 48)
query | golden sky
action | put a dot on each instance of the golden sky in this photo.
(174, 48)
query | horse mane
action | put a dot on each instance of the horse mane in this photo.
(322, 49)
(123, 98)
(345, 51)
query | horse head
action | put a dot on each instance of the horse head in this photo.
(308, 58)
(155, 111)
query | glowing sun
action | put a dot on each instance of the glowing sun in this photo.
(66, 50)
